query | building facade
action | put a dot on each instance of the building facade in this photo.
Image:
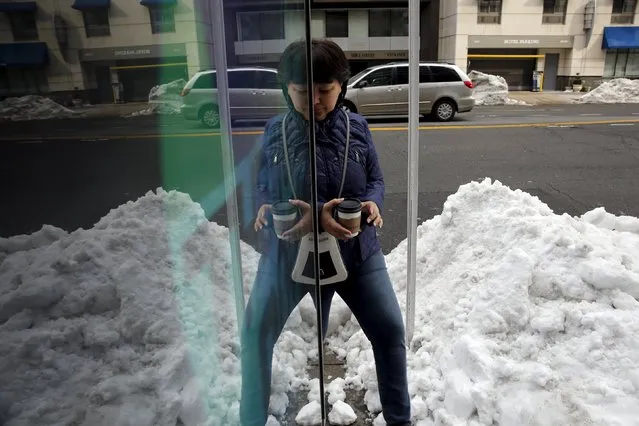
(370, 32)
(105, 50)
(564, 39)
(116, 50)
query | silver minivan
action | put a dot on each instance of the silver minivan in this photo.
(254, 94)
(444, 90)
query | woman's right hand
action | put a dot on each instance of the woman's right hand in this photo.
(260, 220)
(329, 224)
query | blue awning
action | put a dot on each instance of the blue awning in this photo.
(157, 3)
(23, 54)
(621, 38)
(18, 6)
(91, 4)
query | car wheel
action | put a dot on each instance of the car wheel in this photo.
(348, 106)
(210, 117)
(444, 110)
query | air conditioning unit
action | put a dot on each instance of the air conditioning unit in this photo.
(622, 19)
(488, 19)
(552, 19)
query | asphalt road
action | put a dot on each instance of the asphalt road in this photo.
(70, 173)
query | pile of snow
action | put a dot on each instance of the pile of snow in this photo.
(32, 107)
(164, 99)
(617, 91)
(491, 90)
(131, 322)
(523, 317)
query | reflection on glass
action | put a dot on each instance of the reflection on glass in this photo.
(350, 197)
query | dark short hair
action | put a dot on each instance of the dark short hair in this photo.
(329, 62)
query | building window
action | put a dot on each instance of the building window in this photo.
(623, 11)
(380, 77)
(254, 26)
(96, 22)
(622, 63)
(336, 24)
(489, 12)
(554, 11)
(23, 81)
(23, 26)
(162, 19)
(388, 23)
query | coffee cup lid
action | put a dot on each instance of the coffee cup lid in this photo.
(283, 207)
(350, 205)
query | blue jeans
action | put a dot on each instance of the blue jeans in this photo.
(367, 292)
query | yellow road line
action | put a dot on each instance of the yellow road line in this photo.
(373, 129)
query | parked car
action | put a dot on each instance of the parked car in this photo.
(254, 94)
(444, 90)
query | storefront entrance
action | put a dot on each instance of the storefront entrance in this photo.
(133, 70)
(517, 71)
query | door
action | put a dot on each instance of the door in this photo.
(400, 90)
(242, 86)
(103, 79)
(551, 68)
(427, 90)
(376, 96)
(267, 95)
(517, 72)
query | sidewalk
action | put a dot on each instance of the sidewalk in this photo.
(545, 98)
(111, 110)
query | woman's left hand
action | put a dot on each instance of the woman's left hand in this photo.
(374, 216)
(303, 226)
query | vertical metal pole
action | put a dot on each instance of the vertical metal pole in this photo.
(313, 170)
(413, 162)
(228, 162)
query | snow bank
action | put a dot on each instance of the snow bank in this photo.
(32, 107)
(164, 99)
(131, 322)
(523, 317)
(491, 90)
(617, 91)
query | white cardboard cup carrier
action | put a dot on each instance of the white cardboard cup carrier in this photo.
(331, 265)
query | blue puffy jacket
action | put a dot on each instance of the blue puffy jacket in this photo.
(364, 179)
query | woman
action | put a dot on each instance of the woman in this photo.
(367, 291)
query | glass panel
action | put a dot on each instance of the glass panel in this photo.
(388, 23)
(381, 77)
(23, 26)
(399, 23)
(620, 65)
(444, 74)
(162, 19)
(632, 67)
(336, 24)
(490, 6)
(379, 23)
(368, 335)
(610, 63)
(134, 223)
(140, 286)
(96, 22)
(255, 26)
